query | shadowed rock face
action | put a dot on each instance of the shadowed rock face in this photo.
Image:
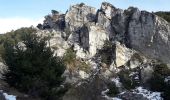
(149, 34)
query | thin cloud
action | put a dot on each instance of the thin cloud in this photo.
(8, 24)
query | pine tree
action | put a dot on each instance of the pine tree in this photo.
(33, 68)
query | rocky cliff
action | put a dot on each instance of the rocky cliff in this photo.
(86, 29)
(110, 41)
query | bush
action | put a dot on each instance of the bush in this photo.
(69, 55)
(40, 26)
(166, 92)
(14, 37)
(162, 69)
(73, 63)
(33, 70)
(107, 53)
(113, 90)
(81, 4)
(54, 12)
(165, 15)
(157, 83)
(126, 80)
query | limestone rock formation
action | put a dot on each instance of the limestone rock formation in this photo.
(116, 46)
(123, 55)
(136, 41)
(149, 34)
(138, 30)
(78, 15)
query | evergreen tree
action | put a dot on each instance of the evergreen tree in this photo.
(33, 68)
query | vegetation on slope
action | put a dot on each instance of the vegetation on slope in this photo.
(165, 15)
(37, 72)
(14, 37)
(74, 63)
(157, 81)
(33, 68)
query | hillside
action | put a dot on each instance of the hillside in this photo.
(165, 15)
(101, 54)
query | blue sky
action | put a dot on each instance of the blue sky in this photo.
(17, 13)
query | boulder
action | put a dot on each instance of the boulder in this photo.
(3, 69)
(123, 54)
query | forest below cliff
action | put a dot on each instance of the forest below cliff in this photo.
(163, 14)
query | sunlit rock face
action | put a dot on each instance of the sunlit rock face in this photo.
(3, 69)
(123, 55)
(78, 15)
(80, 19)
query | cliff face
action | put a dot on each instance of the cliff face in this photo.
(106, 39)
(88, 28)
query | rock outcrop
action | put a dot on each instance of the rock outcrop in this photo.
(114, 51)
(136, 40)
(78, 15)
(123, 54)
(149, 34)
(3, 69)
(87, 29)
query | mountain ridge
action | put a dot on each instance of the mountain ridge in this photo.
(111, 40)
(110, 53)
(91, 18)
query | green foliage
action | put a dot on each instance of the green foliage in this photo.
(73, 63)
(107, 52)
(69, 56)
(14, 37)
(113, 90)
(157, 83)
(165, 15)
(136, 56)
(166, 92)
(1, 52)
(54, 12)
(33, 70)
(83, 66)
(81, 4)
(126, 80)
(162, 69)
